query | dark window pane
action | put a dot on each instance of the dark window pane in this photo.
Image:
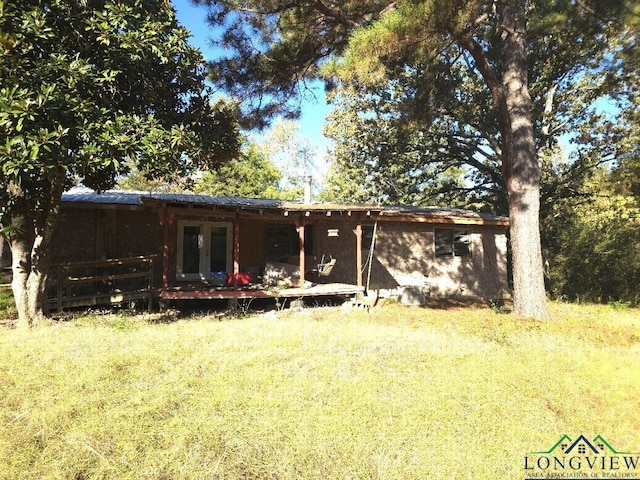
(443, 242)
(462, 243)
(218, 249)
(367, 236)
(280, 240)
(190, 250)
(283, 240)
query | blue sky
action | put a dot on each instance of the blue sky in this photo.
(313, 112)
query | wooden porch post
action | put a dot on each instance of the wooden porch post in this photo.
(300, 227)
(236, 250)
(359, 254)
(166, 218)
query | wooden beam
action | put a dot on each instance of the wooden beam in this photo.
(236, 250)
(358, 232)
(165, 219)
(300, 228)
(276, 214)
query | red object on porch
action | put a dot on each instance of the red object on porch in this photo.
(244, 278)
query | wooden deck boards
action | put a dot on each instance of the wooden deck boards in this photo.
(205, 293)
(96, 299)
(317, 290)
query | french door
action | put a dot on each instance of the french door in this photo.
(204, 249)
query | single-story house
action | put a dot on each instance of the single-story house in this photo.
(210, 247)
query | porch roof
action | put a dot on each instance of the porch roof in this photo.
(407, 213)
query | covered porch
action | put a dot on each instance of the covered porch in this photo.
(121, 280)
(256, 250)
(196, 247)
(224, 248)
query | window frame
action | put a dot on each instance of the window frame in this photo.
(204, 248)
(290, 238)
(452, 242)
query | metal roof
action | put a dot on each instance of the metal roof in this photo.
(443, 212)
(139, 198)
(111, 197)
(130, 197)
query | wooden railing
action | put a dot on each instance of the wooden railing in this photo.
(100, 282)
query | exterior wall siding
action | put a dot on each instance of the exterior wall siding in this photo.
(74, 239)
(86, 234)
(341, 247)
(403, 256)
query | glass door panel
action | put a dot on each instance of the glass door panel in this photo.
(218, 249)
(191, 243)
(204, 250)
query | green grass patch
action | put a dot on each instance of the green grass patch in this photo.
(8, 310)
(393, 393)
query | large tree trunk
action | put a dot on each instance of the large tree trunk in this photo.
(20, 271)
(522, 172)
(19, 242)
(30, 270)
(30, 242)
(520, 167)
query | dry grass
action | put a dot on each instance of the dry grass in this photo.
(396, 393)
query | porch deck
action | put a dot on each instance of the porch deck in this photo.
(116, 281)
(213, 293)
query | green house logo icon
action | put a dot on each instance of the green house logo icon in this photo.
(582, 446)
(595, 458)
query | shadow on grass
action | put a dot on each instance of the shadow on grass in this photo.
(501, 306)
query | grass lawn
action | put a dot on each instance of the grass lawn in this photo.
(393, 393)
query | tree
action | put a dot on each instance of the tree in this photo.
(277, 45)
(137, 180)
(86, 87)
(596, 251)
(293, 155)
(379, 154)
(251, 175)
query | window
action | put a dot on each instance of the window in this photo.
(450, 242)
(367, 236)
(283, 240)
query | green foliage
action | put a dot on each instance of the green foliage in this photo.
(88, 86)
(7, 305)
(402, 121)
(252, 175)
(388, 148)
(292, 153)
(136, 180)
(414, 103)
(274, 46)
(596, 251)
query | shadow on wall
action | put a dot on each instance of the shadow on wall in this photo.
(405, 256)
(380, 278)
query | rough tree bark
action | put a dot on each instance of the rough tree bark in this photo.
(520, 165)
(523, 172)
(30, 249)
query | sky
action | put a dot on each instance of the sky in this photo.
(193, 18)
